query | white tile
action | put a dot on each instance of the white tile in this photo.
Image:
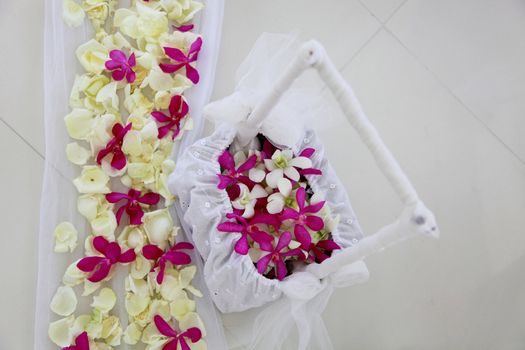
(342, 26)
(383, 9)
(21, 23)
(462, 291)
(21, 175)
(476, 48)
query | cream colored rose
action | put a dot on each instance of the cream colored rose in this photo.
(132, 334)
(158, 226)
(77, 154)
(132, 237)
(91, 205)
(105, 300)
(92, 56)
(181, 11)
(136, 304)
(92, 180)
(65, 237)
(140, 267)
(64, 302)
(73, 276)
(72, 13)
(79, 123)
(92, 85)
(60, 331)
(107, 95)
(105, 224)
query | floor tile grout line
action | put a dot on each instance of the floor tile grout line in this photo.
(395, 12)
(457, 98)
(22, 138)
(365, 44)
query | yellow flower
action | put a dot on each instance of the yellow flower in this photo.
(92, 56)
(79, 123)
(72, 13)
(64, 302)
(92, 180)
(65, 237)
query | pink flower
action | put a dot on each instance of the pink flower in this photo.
(308, 153)
(178, 109)
(193, 334)
(132, 207)
(114, 146)
(183, 61)
(248, 228)
(173, 255)
(277, 254)
(303, 217)
(234, 175)
(317, 252)
(99, 266)
(184, 28)
(121, 66)
(81, 343)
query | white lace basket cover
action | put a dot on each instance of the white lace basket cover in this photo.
(272, 314)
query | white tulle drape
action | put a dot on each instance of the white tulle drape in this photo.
(59, 196)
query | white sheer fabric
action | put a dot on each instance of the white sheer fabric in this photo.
(59, 197)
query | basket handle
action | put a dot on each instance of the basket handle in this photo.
(415, 218)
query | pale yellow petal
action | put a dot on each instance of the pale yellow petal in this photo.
(64, 302)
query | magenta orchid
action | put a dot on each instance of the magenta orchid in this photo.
(183, 60)
(192, 334)
(184, 28)
(248, 228)
(114, 147)
(99, 266)
(160, 257)
(234, 175)
(81, 343)
(318, 252)
(121, 66)
(303, 217)
(308, 153)
(178, 109)
(134, 199)
(277, 255)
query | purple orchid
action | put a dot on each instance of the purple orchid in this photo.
(178, 109)
(248, 228)
(194, 334)
(183, 60)
(160, 257)
(114, 146)
(277, 255)
(81, 343)
(132, 207)
(121, 66)
(234, 175)
(303, 217)
(100, 266)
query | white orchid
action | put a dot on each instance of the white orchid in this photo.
(247, 199)
(283, 164)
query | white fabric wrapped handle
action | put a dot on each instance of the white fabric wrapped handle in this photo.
(415, 218)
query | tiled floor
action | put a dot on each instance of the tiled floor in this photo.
(443, 81)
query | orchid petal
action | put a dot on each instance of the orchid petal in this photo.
(241, 246)
(292, 173)
(314, 222)
(302, 235)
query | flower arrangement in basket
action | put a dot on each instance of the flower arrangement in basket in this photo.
(281, 220)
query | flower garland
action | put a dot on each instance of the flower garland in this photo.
(141, 62)
(279, 218)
